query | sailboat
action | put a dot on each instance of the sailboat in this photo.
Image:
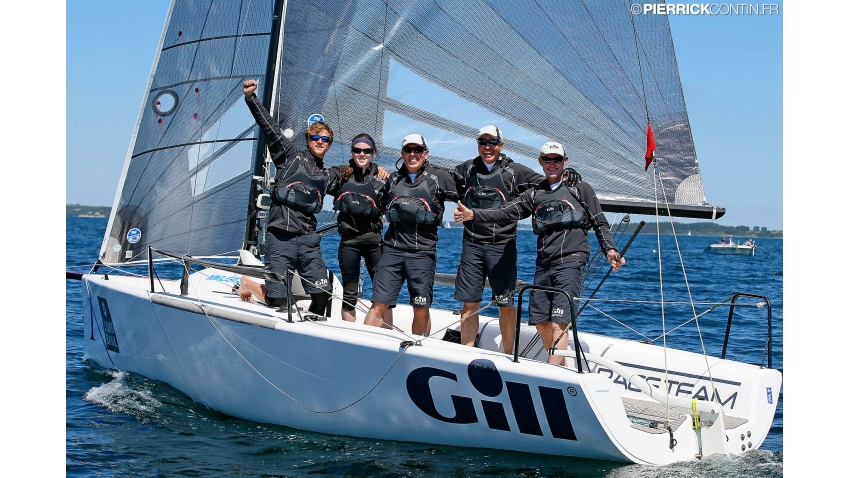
(193, 189)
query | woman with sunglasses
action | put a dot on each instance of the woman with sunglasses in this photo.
(357, 199)
(561, 216)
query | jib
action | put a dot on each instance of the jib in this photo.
(485, 378)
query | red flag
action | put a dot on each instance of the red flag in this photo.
(650, 145)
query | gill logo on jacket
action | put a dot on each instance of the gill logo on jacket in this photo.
(485, 378)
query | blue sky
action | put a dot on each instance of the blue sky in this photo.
(730, 66)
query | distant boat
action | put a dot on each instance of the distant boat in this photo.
(447, 225)
(731, 247)
(689, 233)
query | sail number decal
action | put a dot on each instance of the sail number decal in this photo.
(485, 378)
(108, 327)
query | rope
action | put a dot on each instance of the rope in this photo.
(213, 322)
(493, 302)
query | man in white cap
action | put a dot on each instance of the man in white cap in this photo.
(490, 180)
(416, 194)
(561, 217)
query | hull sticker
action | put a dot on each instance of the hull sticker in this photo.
(108, 327)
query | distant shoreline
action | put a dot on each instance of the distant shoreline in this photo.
(709, 229)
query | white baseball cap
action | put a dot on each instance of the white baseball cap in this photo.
(414, 139)
(552, 147)
(493, 131)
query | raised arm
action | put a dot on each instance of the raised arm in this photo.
(280, 148)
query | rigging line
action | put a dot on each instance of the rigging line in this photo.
(623, 324)
(493, 302)
(381, 319)
(642, 84)
(684, 324)
(234, 57)
(687, 284)
(382, 91)
(321, 412)
(661, 286)
(248, 362)
(635, 301)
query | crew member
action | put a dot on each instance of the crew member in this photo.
(415, 204)
(359, 199)
(490, 180)
(301, 182)
(561, 217)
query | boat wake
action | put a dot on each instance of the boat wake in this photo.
(122, 396)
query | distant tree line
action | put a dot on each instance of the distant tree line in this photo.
(695, 228)
(700, 229)
(87, 211)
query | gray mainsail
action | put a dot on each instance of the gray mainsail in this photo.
(588, 74)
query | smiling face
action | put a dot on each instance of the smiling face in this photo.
(553, 166)
(414, 156)
(319, 147)
(488, 152)
(360, 157)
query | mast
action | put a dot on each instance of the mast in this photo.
(257, 185)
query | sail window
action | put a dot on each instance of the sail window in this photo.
(164, 103)
(224, 150)
(411, 89)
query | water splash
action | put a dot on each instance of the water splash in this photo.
(123, 396)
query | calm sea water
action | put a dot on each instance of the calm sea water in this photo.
(123, 424)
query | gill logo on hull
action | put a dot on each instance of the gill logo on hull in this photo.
(485, 378)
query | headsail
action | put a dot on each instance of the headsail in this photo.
(186, 179)
(587, 74)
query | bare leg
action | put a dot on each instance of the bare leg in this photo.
(421, 322)
(249, 288)
(507, 324)
(376, 312)
(469, 325)
(349, 315)
(388, 316)
(549, 332)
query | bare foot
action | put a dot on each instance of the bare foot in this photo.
(244, 290)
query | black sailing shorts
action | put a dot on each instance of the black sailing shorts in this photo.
(302, 253)
(566, 277)
(396, 266)
(494, 261)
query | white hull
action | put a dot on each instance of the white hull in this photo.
(345, 378)
(731, 249)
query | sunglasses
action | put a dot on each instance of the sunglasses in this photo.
(491, 142)
(558, 160)
(413, 149)
(316, 137)
(361, 150)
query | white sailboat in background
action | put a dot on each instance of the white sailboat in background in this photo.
(570, 72)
